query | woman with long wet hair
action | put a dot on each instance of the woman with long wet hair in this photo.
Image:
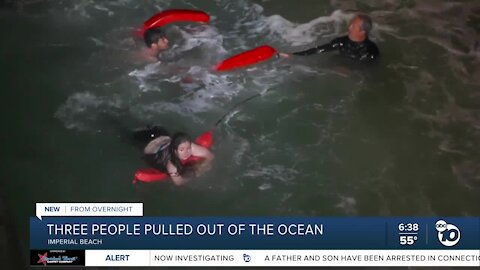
(178, 155)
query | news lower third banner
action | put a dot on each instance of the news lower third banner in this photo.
(117, 234)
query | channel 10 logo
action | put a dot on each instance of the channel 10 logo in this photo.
(448, 234)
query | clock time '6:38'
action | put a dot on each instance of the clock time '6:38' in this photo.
(408, 233)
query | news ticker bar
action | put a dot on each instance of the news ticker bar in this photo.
(296, 258)
(260, 233)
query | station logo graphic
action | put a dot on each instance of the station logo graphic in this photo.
(448, 234)
(246, 258)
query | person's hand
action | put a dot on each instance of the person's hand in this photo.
(284, 55)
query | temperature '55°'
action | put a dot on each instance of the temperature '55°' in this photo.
(408, 233)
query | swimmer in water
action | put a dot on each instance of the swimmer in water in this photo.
(156, 42)
(356, 45)
(175, 155)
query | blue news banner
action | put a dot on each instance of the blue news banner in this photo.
(254, 233)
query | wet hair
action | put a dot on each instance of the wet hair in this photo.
(177, 139)
(153, 35)
(366, 23)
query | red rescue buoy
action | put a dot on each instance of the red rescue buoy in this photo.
(174, 15)
(247, 58)
(149, 175)
(153, 175)
(205, 140)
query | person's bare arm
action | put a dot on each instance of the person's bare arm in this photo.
(206, 154)
(176, 177)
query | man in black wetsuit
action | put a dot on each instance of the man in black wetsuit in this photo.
(355, 45)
